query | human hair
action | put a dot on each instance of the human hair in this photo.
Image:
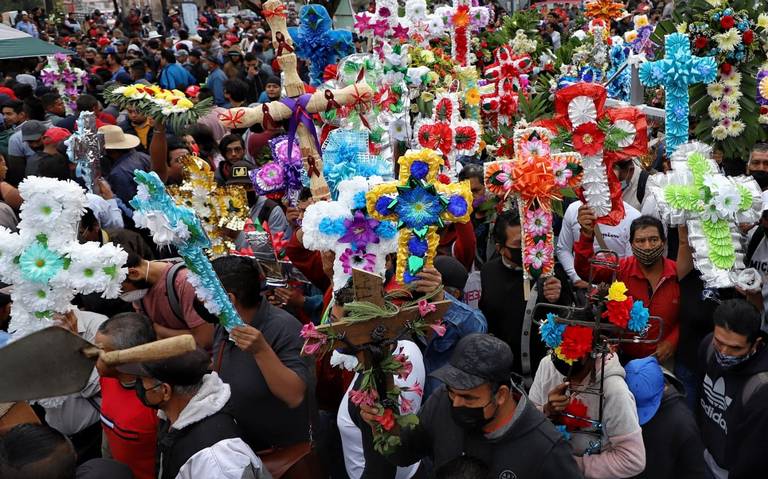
(23, 91)
(237, 89)
(504, 220)
(759, 147)
(49, 99)
(240, 276)
(115, 56)
(471, 171)
(249, 57)
(134, 259)
(463, 467)
(183, 35)
(228, 140)
(203, 137)
(186, 389)
(34, 109)
(168, 55)
(53, 167)
(646, 221)
(305, 193)
(86, 103)
(153, 44)
(127, 330)
(16, 105)
(36, 450)
(739, 316)
(88, 220)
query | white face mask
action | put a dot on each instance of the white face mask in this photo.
(133, 296)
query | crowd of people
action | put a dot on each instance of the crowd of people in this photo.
(492, 400)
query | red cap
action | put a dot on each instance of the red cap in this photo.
(55, 135)
(192, 91)
(103, 41)
(4, 90)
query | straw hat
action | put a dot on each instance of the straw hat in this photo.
(116, 139)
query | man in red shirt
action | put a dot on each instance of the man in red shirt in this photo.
(129, 426)
(648, 275)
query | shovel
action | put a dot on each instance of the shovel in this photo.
(55, 362)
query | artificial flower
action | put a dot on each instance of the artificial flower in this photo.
(39, 264)
(727, 22)
(360, 259)
(701, 42)
(748, 37)
(575, 415)
(438, 327)
(387, 420)
(472, 97)
(360, 230)
(617, 312)
(762, 20)
(638, 317)
(534, 150)
(718, 109)
(630, 36)
(727, 200)
(539, 255)
(363, 398)
(728, 41)
(537, 222)
(588, 139)
(732, 78)
(736, 128)
(551, 331)
(398, 129)
(562, 172)
(418, 206)
(617, 291)
(577, 342)
(641, 21)
(406, 367)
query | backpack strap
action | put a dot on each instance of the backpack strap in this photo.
(753, 384)
(754, 242)
(641, 183)
(173, 296)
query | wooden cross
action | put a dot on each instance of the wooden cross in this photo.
(696, 194)
(222, 209)
(508, 75)
(420, 205)
(173, 224)
(535, 177)
(602, 137)
(461, 19)
(446, 132)
(299, 106)
(676, 72)
(85, 149)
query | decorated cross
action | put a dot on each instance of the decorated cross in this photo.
(676, 72)
(283, 176)
(370, 329)
(508, 75)
(85, 149)
(602, 137)
(300, 106)
(446, 132)
(173, 224)
(44, 261)
(347, 155)
(420, 205)
(461, 20)
(696, 194)
(535, 177)
(345, 227)
(316, 40)
(222, 209)
(383, 24)
(605, 10)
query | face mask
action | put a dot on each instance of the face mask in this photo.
(516, 259)
(762, 178)
(727, 361)
(252, 197)
(141, 393)
(648, 257)
(478, 201)
(133, 296)
(470, 418)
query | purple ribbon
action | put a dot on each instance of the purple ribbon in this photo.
(300, 115)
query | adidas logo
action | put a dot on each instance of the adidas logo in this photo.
(716, 393)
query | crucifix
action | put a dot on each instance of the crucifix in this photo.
(508, 75)
(461, 20)
(535, 176)
(676, 72)
(45, 262)
(173, 224)
(222, 209)
(420, 205)
(370, 329)
(316, 40)
(299, 107)
(602, 137)
(85, 149)
(345, 227)
(446, 132)
(696, 194)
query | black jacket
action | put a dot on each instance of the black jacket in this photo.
(673, 448)
(734, 431)
(531, 448)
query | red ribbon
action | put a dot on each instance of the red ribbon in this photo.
(331, 101)
(312, 164)
(233, 120)
(278, 11)
(267, 119)
(282, 44)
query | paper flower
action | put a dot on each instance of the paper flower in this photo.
(577, 415)
(638, 317)
(551, 331)
(577, 342)
(617, 312)
(617, 291)
(360, 231)
(346, 155)
(537, 222)
(588, 139)
(316, 40)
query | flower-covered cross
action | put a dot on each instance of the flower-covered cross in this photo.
(318, 42)
(85, 148)
(446, 132)
(44, 261)
(508, 75)
(345, 227)
(696, 194)
(461, 19)
(346, 155)
(602, 136)
(678, 70)
(222, 209)
(535, 177)
(173, 224)
(383, 24)
(420, 205)
(283, 176)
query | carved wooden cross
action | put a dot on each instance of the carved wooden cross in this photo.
(299, 107)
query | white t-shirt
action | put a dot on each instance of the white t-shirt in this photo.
(352, 438)
(759, 261)
(616, 237)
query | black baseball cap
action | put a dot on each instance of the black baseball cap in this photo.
(184, 370)
(240, 174)
(478, 359)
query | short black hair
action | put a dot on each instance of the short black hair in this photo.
(240, 276)
(53, 166)
(23, 91)
(504, 220)
(49, 99)
(127, 330)
(646, 221)
(34, 109)
(86, 103)
(35, 450)
(237, 89)
(471, 171)
(88, 220)
(16, 105)
(115, 56)
(228, 140)
(168, 55)
(740, 316)
(249, 57)
(183, 35)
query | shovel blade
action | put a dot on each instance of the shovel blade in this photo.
(46, 363)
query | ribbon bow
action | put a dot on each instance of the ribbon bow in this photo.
(278, 11)
(300, 116)
(233, 120)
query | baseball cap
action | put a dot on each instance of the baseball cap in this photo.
(239, 174)
(478, 359)
(184, 370)
(134, 48)
(645, 380)
(55, 135)
(453, 272)
(32, 130)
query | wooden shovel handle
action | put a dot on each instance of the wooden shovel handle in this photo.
(154, 351)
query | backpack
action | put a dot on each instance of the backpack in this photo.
(170, 279)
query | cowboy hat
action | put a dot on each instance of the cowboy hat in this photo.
(116, 139)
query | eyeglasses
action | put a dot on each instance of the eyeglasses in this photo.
(234, 149)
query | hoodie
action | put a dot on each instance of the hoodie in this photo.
(528, 446)
(734, 430)
(204, 441)
(622, 453)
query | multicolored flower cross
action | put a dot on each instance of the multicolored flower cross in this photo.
(446, 132)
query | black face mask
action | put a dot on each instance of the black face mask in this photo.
(470, 418)
(252, 197)
(762, 178)
(141, 393)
